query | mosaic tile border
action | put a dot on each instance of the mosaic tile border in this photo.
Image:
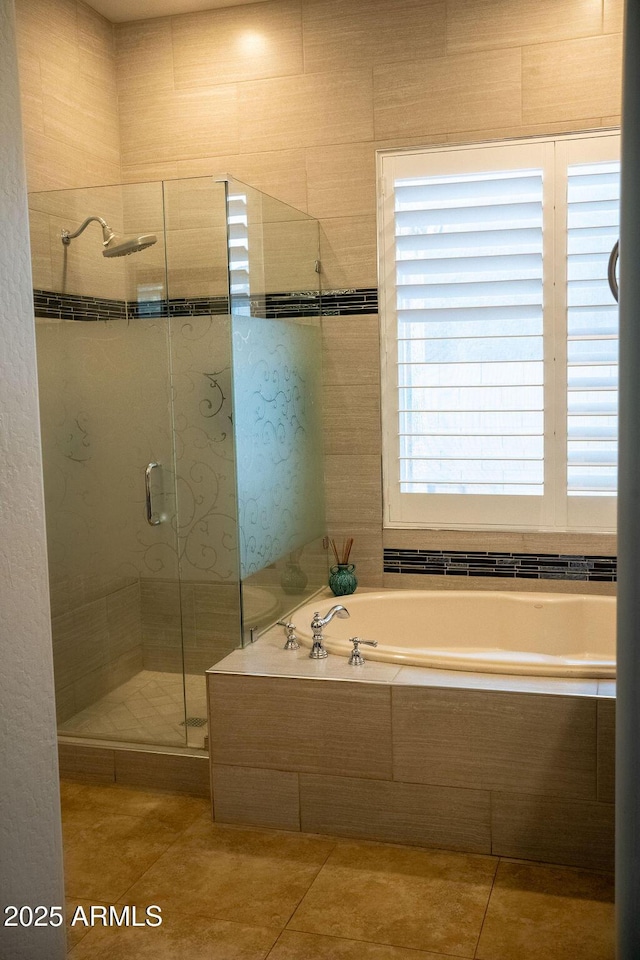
(529, 566)
(64, 306)
(273, 306)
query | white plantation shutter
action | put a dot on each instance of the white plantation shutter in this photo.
(593, 202)
(499, 358)
(470, 351)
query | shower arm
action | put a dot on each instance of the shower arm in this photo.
(107, 232)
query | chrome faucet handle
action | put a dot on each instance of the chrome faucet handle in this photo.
(292, 640)
(356, 659)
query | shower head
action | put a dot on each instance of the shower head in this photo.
(129, 245)
(113, 246)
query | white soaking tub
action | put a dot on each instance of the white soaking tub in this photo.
(543, 634)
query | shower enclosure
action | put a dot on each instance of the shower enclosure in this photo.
(181, 424)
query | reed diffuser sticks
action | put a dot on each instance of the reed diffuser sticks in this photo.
(346, 550)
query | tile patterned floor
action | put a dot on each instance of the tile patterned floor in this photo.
(238, 893)
(148, 708)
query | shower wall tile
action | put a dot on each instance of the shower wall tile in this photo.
(65, 702)
(353, 489)
(264, 798)
(570, 125)
(306, 111)
(486, 26)
(227, 45)
(613, 16)
(606, 750)
(442, 817)
(279, 173)
(554, 830)
(352, 419)
(80, 641)
(123, 621)
(572, 79)
(348, 252)
(195, 623)
(473, 90)
(304, 731)
(351, 351)
(73, 135)
(341, 179)
(96, 647)
(144, 57)
(146, 172)
(287, 253)
(98, 683)
(360, 33)
(179, 124)
(483, 740)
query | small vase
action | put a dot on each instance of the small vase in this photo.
(343, 580)
(294, 579)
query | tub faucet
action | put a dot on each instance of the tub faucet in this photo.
(318, 651)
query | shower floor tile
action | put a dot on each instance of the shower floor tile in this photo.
(148, 708)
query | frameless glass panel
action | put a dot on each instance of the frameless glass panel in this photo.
(102, 334)
(274, 294)
(200, 333)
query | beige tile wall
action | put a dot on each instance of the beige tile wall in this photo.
(302, 111)
(69, 98)
(295, 96)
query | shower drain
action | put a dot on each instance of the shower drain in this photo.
(193, 722)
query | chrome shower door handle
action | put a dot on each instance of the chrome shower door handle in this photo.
(151, 519)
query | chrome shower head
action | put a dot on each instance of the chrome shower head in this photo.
(129, 245)
(113, 245)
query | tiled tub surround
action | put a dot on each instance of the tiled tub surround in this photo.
(515, 766)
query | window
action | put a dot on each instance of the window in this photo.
(500, 334)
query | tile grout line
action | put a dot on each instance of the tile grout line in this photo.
(486, 909)
(318, 872)
(146, 870)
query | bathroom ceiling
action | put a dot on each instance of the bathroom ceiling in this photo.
(120, 11)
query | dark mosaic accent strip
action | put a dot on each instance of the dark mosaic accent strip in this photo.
(309, 303)
(347, 303)
(178, 307)
(272, 306)
(529, 566)
(59, 306)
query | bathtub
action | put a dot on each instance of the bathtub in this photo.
(543, 634)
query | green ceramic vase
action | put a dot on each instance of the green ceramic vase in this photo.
(342, 579)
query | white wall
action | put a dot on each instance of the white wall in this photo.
(30, 841)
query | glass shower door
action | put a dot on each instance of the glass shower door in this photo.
(109, 464)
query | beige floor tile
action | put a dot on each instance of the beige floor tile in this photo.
(232, 873)
(421, 899)
(175, 810)
(76, 933)
(309, 946)
(548, 913)
(178, 938)
(105, 854)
